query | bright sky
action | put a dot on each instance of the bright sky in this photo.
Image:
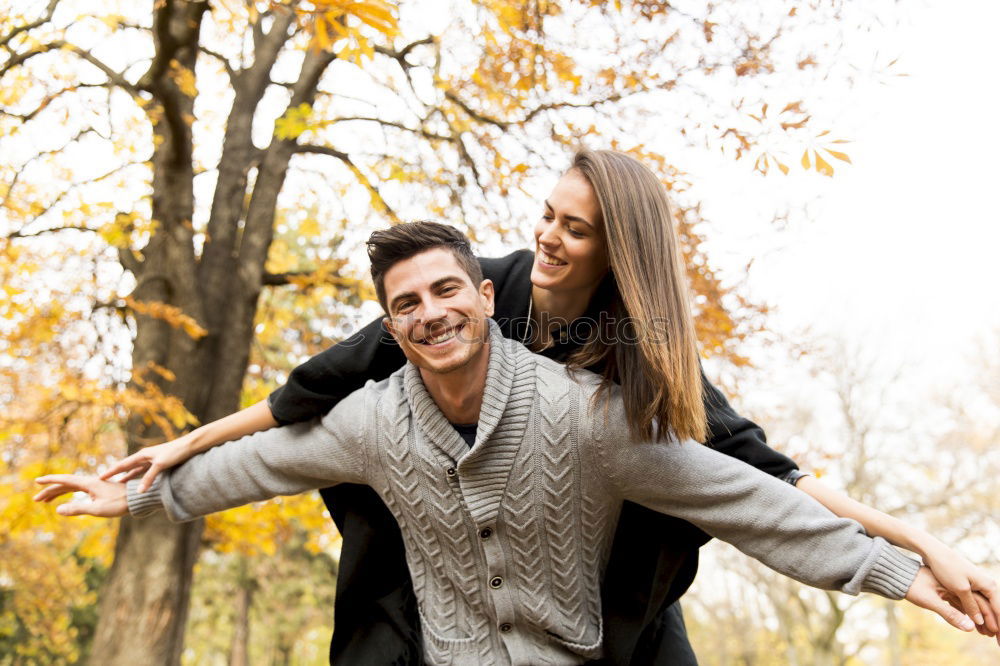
(900, 249)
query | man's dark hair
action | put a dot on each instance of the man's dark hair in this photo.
(389, 246)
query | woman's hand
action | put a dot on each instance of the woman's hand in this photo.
(927, 592)
(971, 589)
(152, 460)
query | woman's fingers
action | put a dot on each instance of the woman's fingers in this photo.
(990, 619)
(133, 473)
(987, 587)
(136, 460)
(149, 477)
(969, 604)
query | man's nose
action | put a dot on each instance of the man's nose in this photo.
(432, 309)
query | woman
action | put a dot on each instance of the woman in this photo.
(606, 268)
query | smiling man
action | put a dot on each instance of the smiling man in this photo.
(507, 533)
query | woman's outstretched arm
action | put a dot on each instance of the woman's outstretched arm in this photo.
(955, 573)
(152, 460)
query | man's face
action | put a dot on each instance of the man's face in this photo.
(436, 314)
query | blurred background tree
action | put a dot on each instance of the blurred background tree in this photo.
(184, 187)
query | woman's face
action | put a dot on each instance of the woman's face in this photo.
(570, 250)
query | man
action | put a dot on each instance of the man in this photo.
(505, 477)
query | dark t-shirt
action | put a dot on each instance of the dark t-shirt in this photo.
(653, 558)
(467, 431)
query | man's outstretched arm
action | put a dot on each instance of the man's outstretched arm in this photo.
(765, 518)
(280, 461)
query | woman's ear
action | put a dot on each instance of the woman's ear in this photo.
(486, 293)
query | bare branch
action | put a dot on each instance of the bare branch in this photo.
(362, 178)
(49, 11)
(486, 120)
(37, 156)
(400, 55)
(41, 232)
(388, 123)
(222, 59)
(73, 186)
(48, 99)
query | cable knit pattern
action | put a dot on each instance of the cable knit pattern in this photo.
(507, 541)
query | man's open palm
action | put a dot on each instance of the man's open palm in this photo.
(107, 498)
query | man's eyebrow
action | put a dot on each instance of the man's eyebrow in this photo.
(440, 282)
(437, 284)
(400, 297)
(571, 218)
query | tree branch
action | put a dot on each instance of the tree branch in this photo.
(62, 195)
(389, 123)
(486, 120)
(362, 178)
(222, 59)
(49, 11)
(48, 99)
(21, 234)
(400, 56)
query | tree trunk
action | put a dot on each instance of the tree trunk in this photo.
(144, 603)
(895, 639)
(239, 651)
(145, 600)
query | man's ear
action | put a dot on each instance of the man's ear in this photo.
(486, 293)
(387, 322)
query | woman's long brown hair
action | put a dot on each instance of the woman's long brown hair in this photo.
(658, 367)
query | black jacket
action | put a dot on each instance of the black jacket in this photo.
(653, 559)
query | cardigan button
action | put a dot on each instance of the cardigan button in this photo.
(450, 471)
(496, 582)
(486, 533)
(506, 626)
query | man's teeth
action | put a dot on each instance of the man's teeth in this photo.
(550, 260)
(447, 335)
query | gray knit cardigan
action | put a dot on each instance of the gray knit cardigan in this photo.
(507, 542)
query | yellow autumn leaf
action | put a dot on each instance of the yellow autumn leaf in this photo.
(805, 160)
(184, 78)
(843, 157)
(823, 167)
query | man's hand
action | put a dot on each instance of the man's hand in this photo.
(927, 592)
(107, 498)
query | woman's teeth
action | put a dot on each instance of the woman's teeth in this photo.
(549, 260)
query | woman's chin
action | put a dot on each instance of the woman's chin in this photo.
(543, 280)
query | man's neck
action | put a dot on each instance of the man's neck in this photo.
(459, 394)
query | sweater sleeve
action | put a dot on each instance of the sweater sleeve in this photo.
(763, 517)
(741, 438)
(281, 461)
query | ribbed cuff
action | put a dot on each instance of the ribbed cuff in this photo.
(143, 504)
(792, 476)
(892, 573)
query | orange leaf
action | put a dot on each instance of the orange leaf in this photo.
(843, 157)
(805, 160)
(823, 167)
